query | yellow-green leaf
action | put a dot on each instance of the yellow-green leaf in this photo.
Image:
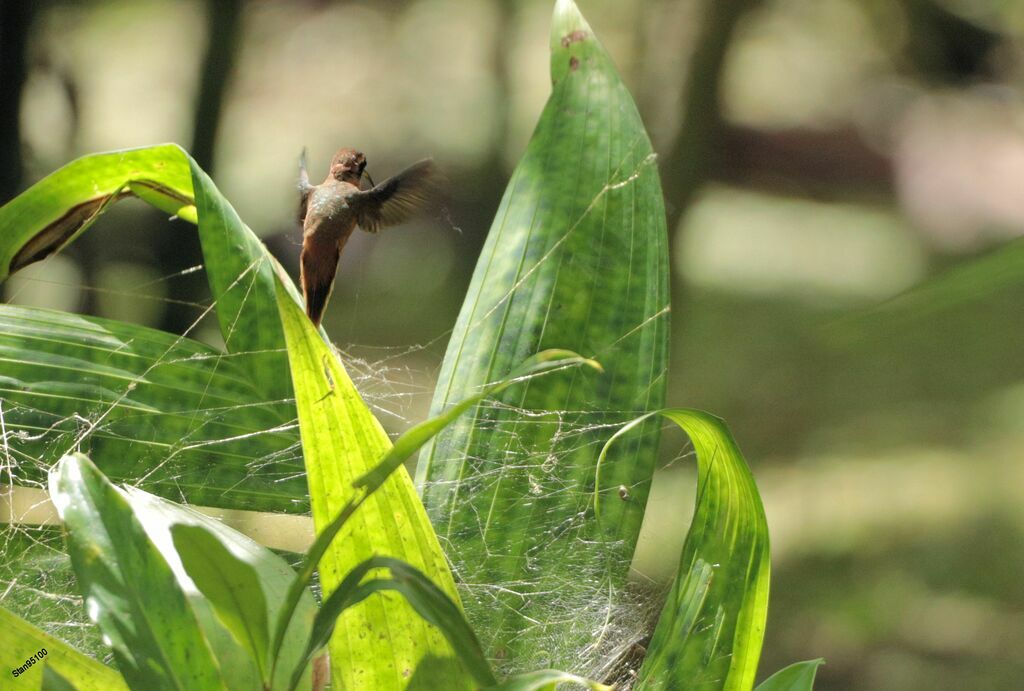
(381, 643)
(21, 642)
(710, 630)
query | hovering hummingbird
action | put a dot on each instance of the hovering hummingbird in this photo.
(330, 211)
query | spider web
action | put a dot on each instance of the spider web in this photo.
(36, 581)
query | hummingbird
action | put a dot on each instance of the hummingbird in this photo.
(330, 211)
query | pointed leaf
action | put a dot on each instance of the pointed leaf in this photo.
(162, 518)
(711, 628)
(576, 258)
(231, 586)
(429, 601)
(242, 278)
(976, 281)
(381, 643)
(798, 676)
(129, 589)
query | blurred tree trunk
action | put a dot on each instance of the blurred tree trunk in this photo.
(695, 152)
(223, 31)
(15, 22)
(179, 248)
(833, 164)
(944, 47)
(479, 190)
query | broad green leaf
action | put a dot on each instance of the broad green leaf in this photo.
(381, 643)
(404, 447)
(231, 586)
(241, 274)
(129, 589)
(242, 278)
(576, 258)
(20, 641)
(53, 211)
(546, 680)
(162, 518)
(711, 627)
(164, 412)
(56, 209)
(429, 601)
(798, 676)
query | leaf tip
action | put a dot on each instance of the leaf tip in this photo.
(571, 39)
(69, 469)
(567, 18)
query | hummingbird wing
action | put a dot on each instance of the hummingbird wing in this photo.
(319, 263)
(397, 199)
(304, 187)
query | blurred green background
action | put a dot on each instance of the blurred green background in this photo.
(818, 157)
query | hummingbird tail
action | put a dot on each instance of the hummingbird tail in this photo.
(317, 277)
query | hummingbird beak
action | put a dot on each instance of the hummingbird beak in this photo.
(372, 183)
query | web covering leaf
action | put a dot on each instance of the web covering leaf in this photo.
(155, 410)
(576, 258)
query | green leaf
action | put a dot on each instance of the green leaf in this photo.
(974, 282)
(405, 446)
(242, 279)
(241, 273)
(429, 601)
(381, 643)
(798, 676)
(54, 681)
(164, 412)
(162, 518)
(576, 258)
(546, 680)
(56, 209)
(129, 589)
(231, 586)
(711, 627)
(20, 641)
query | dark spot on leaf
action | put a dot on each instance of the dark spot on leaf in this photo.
(52, 237)
(574, 63)
(55, 235)
(574, 37)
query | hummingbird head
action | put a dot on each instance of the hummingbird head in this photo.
(348, 165)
